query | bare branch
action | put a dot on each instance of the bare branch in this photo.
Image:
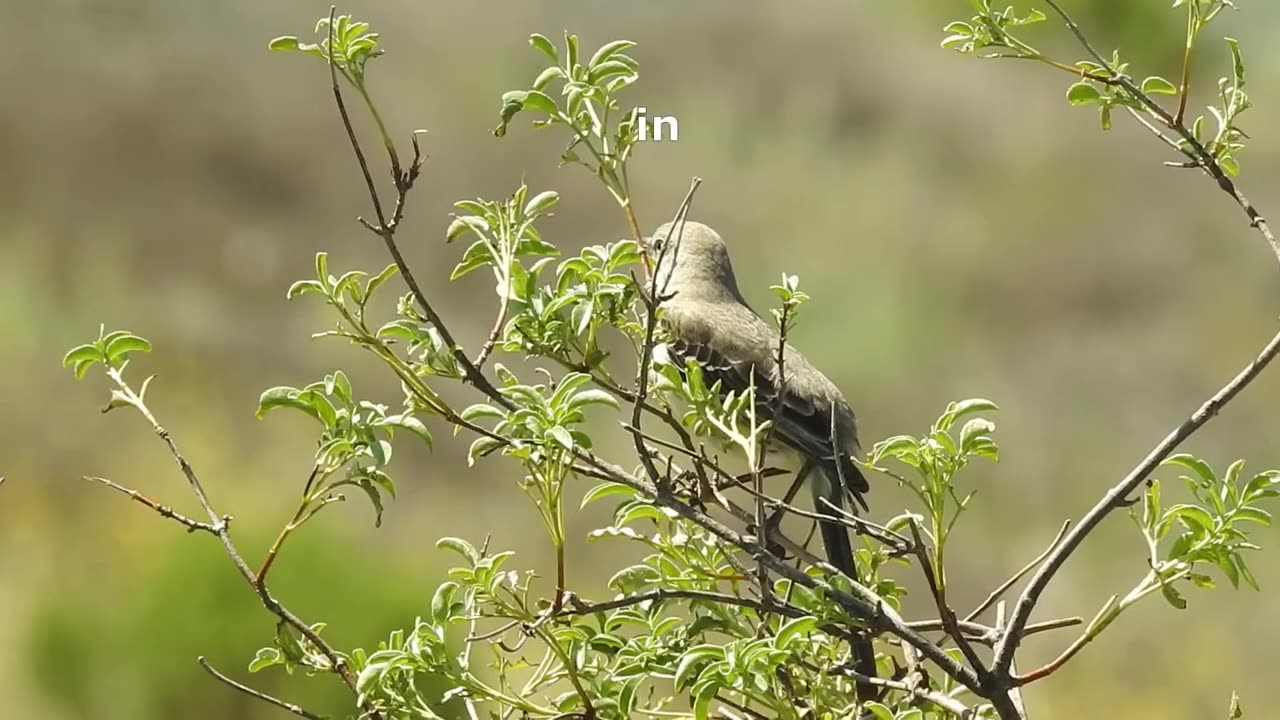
(163, 510)
(1116, 498)
(646, 353)
(258, 694)
(219, 524)
(1004, 586)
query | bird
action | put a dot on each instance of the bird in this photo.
(709, 322)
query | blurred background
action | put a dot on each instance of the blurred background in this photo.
(963, 232)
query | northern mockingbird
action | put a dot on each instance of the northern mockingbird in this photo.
(711, 323)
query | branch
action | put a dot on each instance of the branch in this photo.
(496, 331)
(1116, 498)
(257, 693)
(859, 601)
(945, 613)
(387, 230)
(987, 635)
(1004, 587)
(1197, 150)
(940, 699)
(219, 525)
(651, 327)
(164, 510)
(577, 607)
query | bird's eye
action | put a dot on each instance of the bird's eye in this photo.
(658, 243)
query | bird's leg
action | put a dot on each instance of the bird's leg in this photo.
(776, 518)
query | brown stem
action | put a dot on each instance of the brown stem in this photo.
(1004, 587)
(221, 528)
(945, 613)
(258, 694)
(163, 510)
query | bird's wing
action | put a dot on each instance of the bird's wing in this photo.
(728, 348)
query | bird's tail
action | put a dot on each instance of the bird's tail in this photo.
(835, 539)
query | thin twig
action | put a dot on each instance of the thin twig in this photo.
(849, 520)
(945, 613)
(336, 662)
(258, 694)
(860, 601)
(1198, 151)
(660, 595)
(386, 230)
(651, 301)
(940, 699)
(285, 531)
(1116, 498)
(496, 331)
(163, 510)
(988, 635)
(1004, 586)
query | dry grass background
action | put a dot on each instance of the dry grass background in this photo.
(962, 231)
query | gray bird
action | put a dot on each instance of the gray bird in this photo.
(711, 323)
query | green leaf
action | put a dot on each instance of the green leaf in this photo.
(481, 410)
(571, 50)
(608, 51)
(512, 103)
(541, 202)
(703, 697)
(412, 424)
(377, 280)
(1082, 93)
(593, 397)
(1229, 165)
(281, 44)
(1252, 514)
(973, 429)
(322, 269)
(82, 353)
(1225, 561)
(122, 345)
(481, 446)
(375, 498)
(83, 366)
(341, 386)
(538, 100)
(460, 546)
(284, 396)
(793, 630)
(546, 76)
(1195, 465)
(303, 286)
(544, 45)
(561, 436)
(878, 711)
(692, 660)
(265, 658)
(478, 255)
(1237, 61)
(442, 601)
(606, 489)
(1192, 515)
(1156, 85)
(1173, 596)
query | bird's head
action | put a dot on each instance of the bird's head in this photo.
(691, 260)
